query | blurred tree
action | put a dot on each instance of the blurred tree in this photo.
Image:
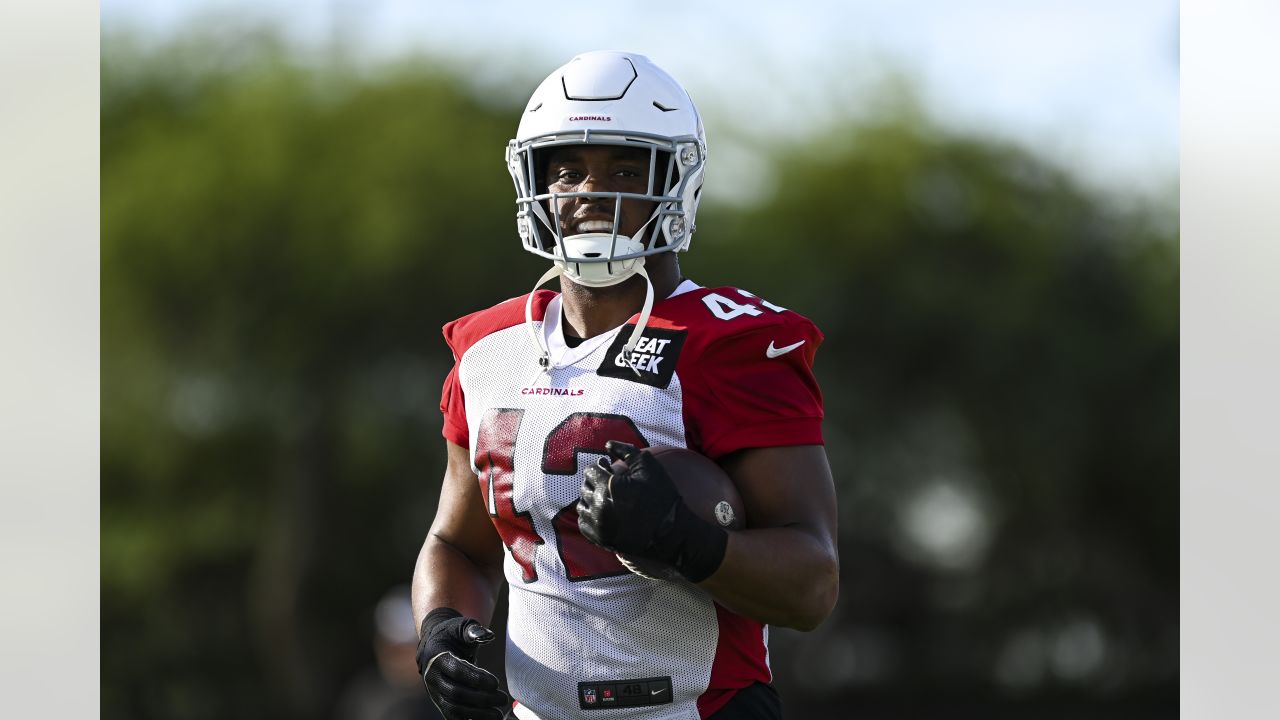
(280, 247)
(1000, 378)
(281, 242)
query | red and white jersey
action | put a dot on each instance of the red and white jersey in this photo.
(717, 370)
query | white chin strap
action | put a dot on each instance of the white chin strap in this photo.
(628, 350)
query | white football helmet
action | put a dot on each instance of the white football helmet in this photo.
(610, 98)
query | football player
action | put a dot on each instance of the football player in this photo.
(548, 409)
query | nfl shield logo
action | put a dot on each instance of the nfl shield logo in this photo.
(589, 696)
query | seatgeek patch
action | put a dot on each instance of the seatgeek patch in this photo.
(654, 359)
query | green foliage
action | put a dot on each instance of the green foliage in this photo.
(280, 248)
(990, 324)
(282, 242)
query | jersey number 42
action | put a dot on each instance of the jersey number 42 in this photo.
(581, 432)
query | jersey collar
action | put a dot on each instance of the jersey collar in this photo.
(553, 331)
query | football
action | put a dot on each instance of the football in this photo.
(708, 491)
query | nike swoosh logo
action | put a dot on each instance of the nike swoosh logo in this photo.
(774, 352)
(659, 690)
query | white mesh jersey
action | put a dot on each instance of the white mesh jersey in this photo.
(718, 370)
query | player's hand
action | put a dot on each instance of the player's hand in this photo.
(631, 506)
(446, 660)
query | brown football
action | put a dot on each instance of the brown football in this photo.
(708, 491)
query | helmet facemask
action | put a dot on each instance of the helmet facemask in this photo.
(600, 259)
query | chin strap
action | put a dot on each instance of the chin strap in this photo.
(544, 354)
(628, 350)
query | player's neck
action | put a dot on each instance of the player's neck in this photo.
(591, 311)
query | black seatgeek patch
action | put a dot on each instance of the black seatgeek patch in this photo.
(654, 359)
(605, 694)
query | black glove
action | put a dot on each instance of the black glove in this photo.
(632, 507)
(446, 661)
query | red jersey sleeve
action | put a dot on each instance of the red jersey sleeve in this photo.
(454, 409)
(755, 388)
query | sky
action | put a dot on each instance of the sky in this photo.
(1091, 84)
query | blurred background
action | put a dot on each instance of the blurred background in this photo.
(976, 202)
